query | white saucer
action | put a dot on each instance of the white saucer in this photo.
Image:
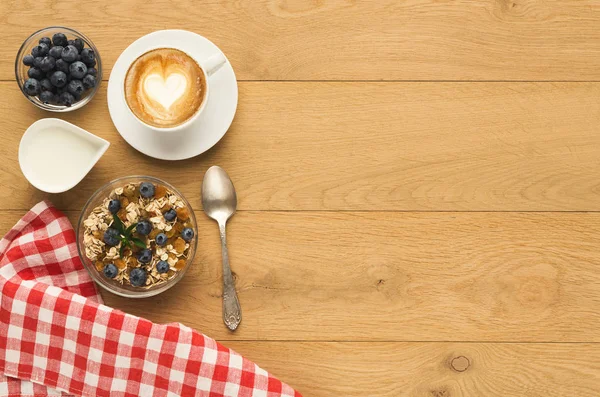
(208, 128)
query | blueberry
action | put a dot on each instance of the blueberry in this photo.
(187, 234)
(146, 189)
(46, 40)
(66, 99)
(69, 53)
(37, 61)
(88, 57)
(60, 39)
(162, 267)
(46, 85)
(110, 270)
(143, 227)
(75, 87)
(35, 73)
(40, 50)
(90, 64)
(28, 60)
(32, 87)
(137, 277)
(89, 81)
(47, 64)
(145, 256)
(111, 236)
(92, 71)
(77, 43)
(47, 97)
(170, 215)
(77, 69)
(56, 51)
(62, 66)
(58, 79)
(161, 239)
(114, 206)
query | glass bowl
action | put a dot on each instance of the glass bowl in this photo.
(21, 69)
(112, 285)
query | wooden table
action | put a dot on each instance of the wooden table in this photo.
(418, 187)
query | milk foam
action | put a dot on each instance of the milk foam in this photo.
(166, 92)
(165, 87)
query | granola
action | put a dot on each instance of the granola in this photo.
(139, 226)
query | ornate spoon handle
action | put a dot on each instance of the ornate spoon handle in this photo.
(232, 313)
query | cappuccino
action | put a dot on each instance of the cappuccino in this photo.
(165, 87)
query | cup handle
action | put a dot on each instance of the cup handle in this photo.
(214, 63)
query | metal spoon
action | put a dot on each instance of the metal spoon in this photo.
(220, 201)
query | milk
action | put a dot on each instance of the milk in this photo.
(55, 155)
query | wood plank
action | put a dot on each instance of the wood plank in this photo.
(344, 39)
(519, 277)
(431, 369)
(364, 146)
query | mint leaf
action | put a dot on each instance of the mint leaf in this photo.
(128, 231)
(138, 242)
(117, 224)
(124, 244)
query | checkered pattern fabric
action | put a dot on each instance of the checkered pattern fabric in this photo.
(56, 336)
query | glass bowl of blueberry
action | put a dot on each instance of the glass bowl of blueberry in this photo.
(137, 236)
(58, 69)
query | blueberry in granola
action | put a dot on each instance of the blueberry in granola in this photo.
(187, 234)
(170, 215)
(145, 256)
(162, 267)
(144, 228)
(114, 206)
(110, 270)
(161, 239)
(146, 190)
(111, 237)
(137, 277)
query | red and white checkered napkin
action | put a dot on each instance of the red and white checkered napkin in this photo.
(55, 335)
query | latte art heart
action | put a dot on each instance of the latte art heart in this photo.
(165, 92)
(164, 87)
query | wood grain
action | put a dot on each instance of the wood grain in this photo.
(365, 146)
(344, 39)
(426, 369)
(426, 227)
(392, 277)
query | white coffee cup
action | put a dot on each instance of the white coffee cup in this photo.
(209, 66)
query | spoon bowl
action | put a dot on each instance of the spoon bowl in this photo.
(218, 195)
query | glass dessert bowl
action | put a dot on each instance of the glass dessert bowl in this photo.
(137, 236)
(52, 60)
